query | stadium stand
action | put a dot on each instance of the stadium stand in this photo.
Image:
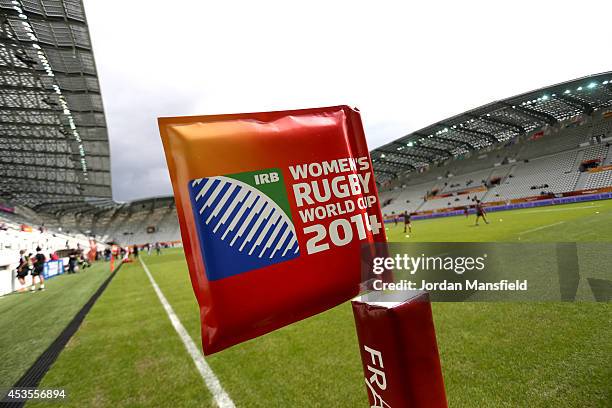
(603, 129)
(524, 175)
(598, 151)
(51, 115)
(18, 233)
(54, 153)
(548, 142)
(140, 222)
(600, 179)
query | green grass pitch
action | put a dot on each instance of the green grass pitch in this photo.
(493, 354)
(29, 322)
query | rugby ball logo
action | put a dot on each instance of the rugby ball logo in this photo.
(243, 222)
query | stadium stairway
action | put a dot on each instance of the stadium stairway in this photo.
(579, 158)
(608, 156)
(582, 180)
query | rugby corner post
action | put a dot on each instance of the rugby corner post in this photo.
(324, 206)
(399, 353)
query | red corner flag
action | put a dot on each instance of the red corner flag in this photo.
(274, 209)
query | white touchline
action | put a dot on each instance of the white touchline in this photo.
(212, 382)
(541, 228)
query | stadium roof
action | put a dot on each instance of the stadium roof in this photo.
(492, 124)
(54, 151)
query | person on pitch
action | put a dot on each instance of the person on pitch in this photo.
(39, 267)
(480, 212)
(22, 269)
(72, 262)
(407, 221)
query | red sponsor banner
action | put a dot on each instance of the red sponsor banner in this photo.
(537, 135)
(400, 358)
(549, 196)
(588, 192)
(532, 198)
(445, 210)
(273, 208)
(601, 168)
(7, 209)
(495, 203)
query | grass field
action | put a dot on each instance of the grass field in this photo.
(580, 222)
(30, 321)
(493, 354)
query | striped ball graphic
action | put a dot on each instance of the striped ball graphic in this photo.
(240, 227)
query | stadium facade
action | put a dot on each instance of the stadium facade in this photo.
(54, 151)
(548, 146)
(54, 147)
(493, 125)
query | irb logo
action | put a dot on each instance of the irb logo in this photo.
(377, 378)
(245, 218)
(266, 178)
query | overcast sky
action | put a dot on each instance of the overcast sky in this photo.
(405, 64)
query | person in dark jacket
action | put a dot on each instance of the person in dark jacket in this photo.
(22, 269)
(480, 212)
(407, 221)
(39, 268)
(72, 262)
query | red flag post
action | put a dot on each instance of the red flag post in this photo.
(399, 353)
